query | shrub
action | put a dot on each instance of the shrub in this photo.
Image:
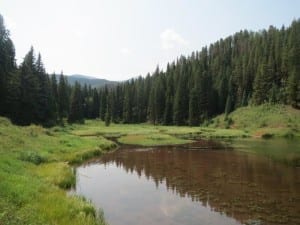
(33, 157)
(263, 124)
(289, 134)
(267, 136)
(229, 122)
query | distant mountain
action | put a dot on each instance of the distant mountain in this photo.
(89, 80)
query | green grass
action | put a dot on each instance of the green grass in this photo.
(34, 173)
(150, 135)
(35, 165)
(155, 139)
(262, 121)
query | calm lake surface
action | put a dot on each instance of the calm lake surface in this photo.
(193, 184)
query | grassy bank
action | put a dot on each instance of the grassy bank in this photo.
(264, 121)
(153, 135)
(35, 166)
(35, 162)
(34, 173)
(274, 131)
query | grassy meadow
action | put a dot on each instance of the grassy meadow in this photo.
(36, 164)
(35, 172)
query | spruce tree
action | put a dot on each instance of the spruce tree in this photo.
(63, 97)
(7, 68)
(29, 89)
(96, 104)
(54, 88)
(108, 112)
(294, 89)
(127, 106)
(46, 114)
(181, 99)
(76, 106)
(194, 108)
(103, 102)
(294, 65)
(13, 96)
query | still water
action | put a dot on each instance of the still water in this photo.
(194, 184)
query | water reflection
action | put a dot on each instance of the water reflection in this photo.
(191, 187)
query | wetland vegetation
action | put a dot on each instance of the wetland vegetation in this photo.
(37, 163)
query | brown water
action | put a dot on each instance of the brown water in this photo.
(175, 185)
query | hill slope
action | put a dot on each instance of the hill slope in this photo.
(266, 120)
(93, 81)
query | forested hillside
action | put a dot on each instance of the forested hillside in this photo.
(94, 82)
(245, 68)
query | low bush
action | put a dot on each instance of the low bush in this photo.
(33, 157)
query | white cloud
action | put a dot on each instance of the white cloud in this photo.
(170, 39)
(125, 51)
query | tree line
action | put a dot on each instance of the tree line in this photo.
(242, 69)
(29, 95)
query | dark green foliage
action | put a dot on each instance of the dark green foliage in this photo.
(12, 100)
(54, 88)
(7, 66)
(107, 117)
(76, 107)
(294, 89)
(103, 102)
(47, 111)
(29, 90)
(108, 111)
(36, 103)
(33, 157)
(181, 99)
(63, 97)
(194, 111)
(127, 104)
(95, 105)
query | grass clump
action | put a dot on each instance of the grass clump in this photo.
(33, 157)
(83, 156)
(267, 136)
(57, 173)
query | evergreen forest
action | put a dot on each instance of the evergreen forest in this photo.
(245, 68)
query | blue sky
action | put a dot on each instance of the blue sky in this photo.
(120, 39)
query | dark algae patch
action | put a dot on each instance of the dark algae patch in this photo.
(191, 185)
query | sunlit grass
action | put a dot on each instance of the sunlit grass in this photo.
(276, 120)
(34, 171)
(152, 140)
(57, 173)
